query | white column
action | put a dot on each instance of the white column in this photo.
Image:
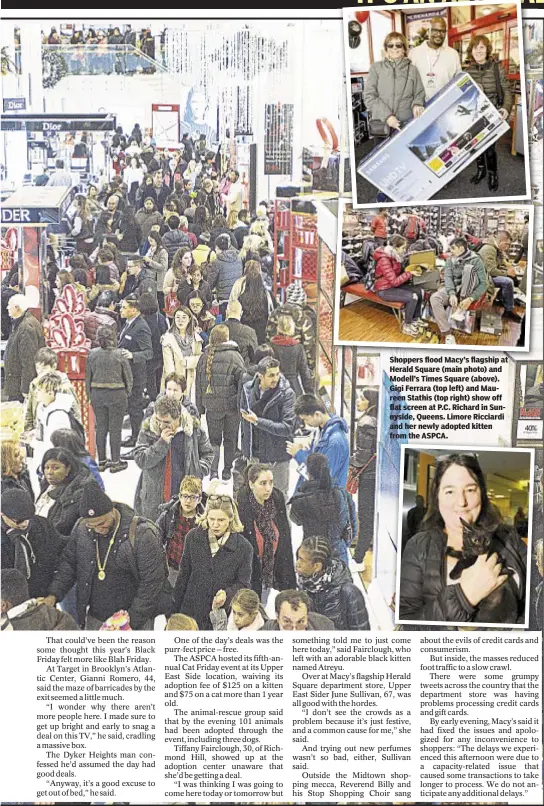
(31, 61)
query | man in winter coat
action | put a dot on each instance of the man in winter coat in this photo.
(29, 542)
(19, 612)
(117, 561)
(329, 586)
(293, 613)
(136, 345)
(330, 438)
(465, 281)
(171, 445)
(25, 340)
(103, 314)
(268, 419)
(501, 274)
(225, 270)
(148, 215)
(244, 336)
(174, 238)
(139, 279)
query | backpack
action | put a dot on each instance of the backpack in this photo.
(370, 276)
(411, 228)
(165, 602)
(75, 424)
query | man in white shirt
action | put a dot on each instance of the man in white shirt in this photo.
(436, 62)
(60, 176)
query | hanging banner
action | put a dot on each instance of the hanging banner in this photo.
(165, 121)
(278, 139)
(459, 123)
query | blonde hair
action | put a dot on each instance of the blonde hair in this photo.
(191, 484)
(232, 219)
(8, 452)
(252, 243)
(226, 504)
(259, 227)
(179, 621)
(49, 382)
(286, 325)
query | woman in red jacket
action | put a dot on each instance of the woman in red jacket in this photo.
(393, 284)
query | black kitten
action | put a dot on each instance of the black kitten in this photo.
(501, 605)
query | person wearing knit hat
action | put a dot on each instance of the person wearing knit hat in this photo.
(19, 611)
(303, 317)
(30, 543)
(295, 293)
(117, 561)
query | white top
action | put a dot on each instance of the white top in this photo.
(435, 67)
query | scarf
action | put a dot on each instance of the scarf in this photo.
(264, 518)
(256, 624)
(315, 583)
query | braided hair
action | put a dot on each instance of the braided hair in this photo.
(318, 549)
(219, 335)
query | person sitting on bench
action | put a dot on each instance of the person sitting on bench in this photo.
(465, 282)
(393, 285)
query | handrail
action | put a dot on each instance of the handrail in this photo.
(83, 59)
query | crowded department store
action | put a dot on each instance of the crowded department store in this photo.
(169, 201)
(400, 268)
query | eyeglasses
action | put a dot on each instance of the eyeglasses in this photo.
(189, 497)
(395, 45)
(438, 31)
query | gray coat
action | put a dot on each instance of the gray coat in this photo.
(453, 274)
(150, 454)
(393, 88)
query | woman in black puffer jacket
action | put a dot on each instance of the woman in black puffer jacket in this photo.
(218, 375)
(431, 589)
(363, 463)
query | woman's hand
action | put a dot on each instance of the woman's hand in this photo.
(418, 111)
(482, 578)
(393, 121)
(503, 113)
(219, 600)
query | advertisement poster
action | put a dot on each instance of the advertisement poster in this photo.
(459, 123)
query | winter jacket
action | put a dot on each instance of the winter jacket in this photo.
(330, 513)
(151, 454)
(284, 570)
(157, 266)
(173, 240)
(64, 513)
(132, 237)
(46, 546)
(143, 563)
(107, 369)
(293, 363)
(175, 359)
(25, 340)
(453, 274)
(148, 220)
(393, 88)
(485, 76)
(185, 288)
(493, 260)
(315, 622)
(244, 336)
(305, 330)
(138, 284)
(274, 427)
(218, 395)
(378, 227)
(92, 320)
(201, 576)
(201, 253)
(32, 401)
(49, 419)
(21, 482)
(223, 273)
(366, 436)
(158, 327)
(332, 441)
(389, 273)
(33, 616)
(137, 339)
(424, 596)
(168, 514)
(340, 600)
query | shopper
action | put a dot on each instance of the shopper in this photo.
(378, 227)
(500, 272)
(108, 380)
(293, 613)
(158, 326)
(171, 445)
(20, 612)
(194, 282)
(181, 346)
(296, 308)
(218, 376)
(268, 420)
(24, 341)
(395, 285)
(224, 271)
(64, 478)
(156, 263)
(329, 438)
(246, 612)
(117, 562)
(136, 346)
(177, 517)
(74, 442)
(15, 476)
(174, 238)
(262, 511)
(363, 468)
(465, 282)
(329, 586)
(55, 410)
(139, 280)
(255, 300)
(290, 353)
(482, 593)
(216, 557)
(47, 361)
(489, 75)
(244, 335)
(436, 62)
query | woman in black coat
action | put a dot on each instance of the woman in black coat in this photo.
(432, 586)
(216, 557)
(61, 490)
(131, 232)
(264, 516)
(158, 326)
(290, 353)
(14, 473)
(363, 464)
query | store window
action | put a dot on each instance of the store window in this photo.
(382, 24)
(513, 51)
(460, 16)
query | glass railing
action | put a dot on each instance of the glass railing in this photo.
(88, 60)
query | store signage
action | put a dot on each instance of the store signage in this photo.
(530, 429)
(14, 104)
(20, 215)
(58, 123)
(459, 123)
(278, 139)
